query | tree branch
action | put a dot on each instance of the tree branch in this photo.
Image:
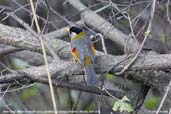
(147, 68)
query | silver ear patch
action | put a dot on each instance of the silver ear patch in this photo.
(73, 34)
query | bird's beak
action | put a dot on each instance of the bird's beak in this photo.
(67, 29)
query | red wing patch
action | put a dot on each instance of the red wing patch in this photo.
(75, 54)
(74, 49)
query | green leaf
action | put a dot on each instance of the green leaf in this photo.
(29, 92)
(91, 106)
(109, 76)
(116, 106)
(152, 103)
(125, 98)
(147, 33)
(123, 105)
(165, 39)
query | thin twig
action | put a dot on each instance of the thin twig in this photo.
(5, 92)
(22, 7)
(164, 98)
(34, 33)
(20, 88)
(110, 94)
(167, 10)
(59, 15)
(9, 109)
(103, 43)
(85, 88)
(47, 17)
(147, 33)
(130, 24)
(170, 111)
(45, 57)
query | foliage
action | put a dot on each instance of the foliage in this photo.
(91, 106)
(147, 33)
(123, 105)
(29, 92)
(152, 103)
(165, 39)
(109, 76)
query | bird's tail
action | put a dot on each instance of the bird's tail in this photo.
(91, 78)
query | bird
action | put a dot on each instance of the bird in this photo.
(83, 51)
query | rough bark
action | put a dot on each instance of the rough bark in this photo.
(148, 68)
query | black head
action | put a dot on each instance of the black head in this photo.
(75, 30)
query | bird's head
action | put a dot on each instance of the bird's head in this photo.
(73, 31)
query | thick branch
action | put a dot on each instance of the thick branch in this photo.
(38, 74)
(25, 40)
(5, 49)
(148, 68)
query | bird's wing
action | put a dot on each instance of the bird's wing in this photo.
(76, 54)
(90, 49)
